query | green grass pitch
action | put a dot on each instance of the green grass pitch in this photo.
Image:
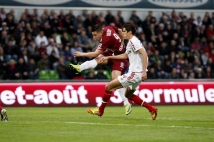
(74, 124)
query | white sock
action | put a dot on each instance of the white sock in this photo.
(88, 65)
(121, 92)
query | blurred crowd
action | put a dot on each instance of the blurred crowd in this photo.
(179, 46)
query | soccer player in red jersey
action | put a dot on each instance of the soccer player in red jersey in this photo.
(110, 44)
(138, 60)
(3, 114)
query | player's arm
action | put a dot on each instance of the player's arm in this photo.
(117, 57)
(88, 54)
(144, 56)
(145, 62)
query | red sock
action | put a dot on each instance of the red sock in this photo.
(106, 98)
(140, 102)
(136, 99)
(0, 108)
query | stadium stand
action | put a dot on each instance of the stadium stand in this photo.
(36, 46)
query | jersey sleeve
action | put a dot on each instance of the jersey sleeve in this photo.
(136, 45)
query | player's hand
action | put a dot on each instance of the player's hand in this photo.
(144, 76)
(77, 54)
(102, 59)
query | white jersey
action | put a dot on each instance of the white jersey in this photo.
(135, 58)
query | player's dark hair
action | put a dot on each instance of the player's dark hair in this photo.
(97, 28)
(130, 27)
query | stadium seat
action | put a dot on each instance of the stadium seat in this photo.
(53, 74)
(106, 72)
(43, 75)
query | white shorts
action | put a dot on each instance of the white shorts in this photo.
(130, 79)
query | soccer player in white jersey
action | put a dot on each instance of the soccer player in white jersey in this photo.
(138, 60)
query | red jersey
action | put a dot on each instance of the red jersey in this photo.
(111, 43)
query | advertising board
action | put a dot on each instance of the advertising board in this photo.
(90, 94)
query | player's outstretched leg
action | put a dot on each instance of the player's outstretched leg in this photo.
(127, 105)
(84, 66)
(100, 111)
(153, 110)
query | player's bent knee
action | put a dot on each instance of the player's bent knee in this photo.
(109, 87)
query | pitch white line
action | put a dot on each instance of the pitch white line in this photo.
(142, 125)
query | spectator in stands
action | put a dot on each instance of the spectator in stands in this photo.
(191, 75)
(10, 70)
(2, 14)
(191, 18)
(4, 27)
(25, 56)
(53, 58)
(10, 23)
(161, 74)
(205, 57)
(93, 44)
(100, 74)
(35, 28)
(174, 74)
(151, 74)
(32, 49)
(52, 47)
(41, 37)
(167, 66)
(75, 48)
(73, 38)
(210, 32)
(83, 41)
(67, 54)
(90, 74)
(196, 44)
(109, 18)
(68, 23)
(211, 55)
(208, 73)
(199, 74)
(88, 21)
(119, 15)
(56, 38)
(33, 70)
(3, 62)
(198, 22)
(48, 30)
(100, 19)
(61, 68)
(44, 63)
(65, 39)
(4, 38)
(135, 18)
(212, 19)
(42, 48)
(21, 71)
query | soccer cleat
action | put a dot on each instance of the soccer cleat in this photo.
(128, 109)
(154, 113)
(76, 67)
(95, 111)
(4, 115)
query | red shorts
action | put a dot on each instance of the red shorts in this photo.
(120, 65)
